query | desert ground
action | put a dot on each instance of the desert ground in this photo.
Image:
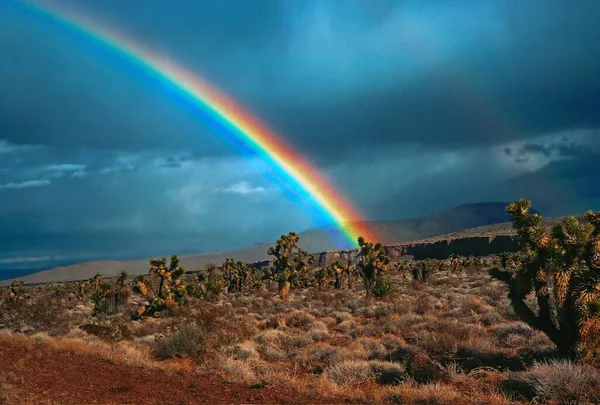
(452, 338)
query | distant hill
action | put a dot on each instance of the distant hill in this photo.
(315, 241)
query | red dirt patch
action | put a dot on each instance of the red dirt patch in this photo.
(32, 372)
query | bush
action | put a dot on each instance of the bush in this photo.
(560, 381)
(383, 288)
(190, 340)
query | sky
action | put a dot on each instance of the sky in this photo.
(408, 107)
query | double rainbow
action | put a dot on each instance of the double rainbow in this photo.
(238, 126)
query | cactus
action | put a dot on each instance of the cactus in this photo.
(81, 289)
(323, 277)
(17, 292)
(561, 269)
(422, 270)
(338, 272)
(349, 272)
(405, 268)
(100, 294)
(237, 275)
(120, 292)
(289, 262)
(373, 263)
(455, 263)
(303, 274)
(210, 283)
(507, 259)
(164, 290)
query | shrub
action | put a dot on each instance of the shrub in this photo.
(422, 270)
(383, 288)
(349, 372)
(560, 381)
(190, 340)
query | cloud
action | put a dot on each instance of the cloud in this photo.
(25, 184)
(65, 170)
(554, 148)
(243, 188)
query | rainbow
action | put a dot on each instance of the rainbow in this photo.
(239, 126)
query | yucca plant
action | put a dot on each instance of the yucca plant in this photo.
(100, 294)
(349, 272)
(237, 275)
(303, 274)
(81, 289)
(210, 283)
(17, 292)
(422, 270)
(337, 269)
(164, 290)
(323, 277)
(117, 294)
(288, 262)
(372, 265)
(455, 263)
(560, 269)
(383, 288)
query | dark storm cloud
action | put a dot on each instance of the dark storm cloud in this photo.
(561, 149)
(444, 82)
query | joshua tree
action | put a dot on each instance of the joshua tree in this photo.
(323, 276)
(561, 270)
(337, 269)
(81, 289)
(455, 263)
(17, 292)
(422, 270)
(373, 263)
(236, 275)
(118, 293)
(288, 262)
(164, 290)
(210, 283)
(303, 276)
(349, 272)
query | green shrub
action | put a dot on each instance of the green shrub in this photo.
(383, 288)
(189, 341)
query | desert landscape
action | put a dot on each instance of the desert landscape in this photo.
(368, 330)
(299, 202)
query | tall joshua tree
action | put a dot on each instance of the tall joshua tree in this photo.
(373, 263)
(561, 270)
(288, 262)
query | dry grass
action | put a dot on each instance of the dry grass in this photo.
(451, 340)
